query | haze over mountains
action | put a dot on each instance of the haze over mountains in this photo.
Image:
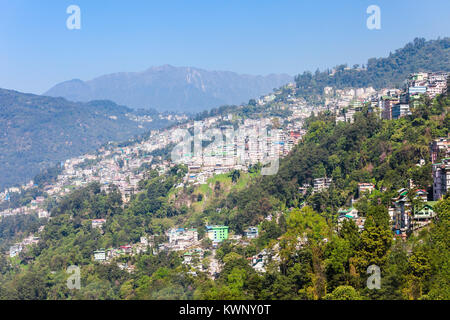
(169, 88)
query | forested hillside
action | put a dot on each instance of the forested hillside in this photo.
(419, 55)
(37, 132)
(330, 264)
(369, 150)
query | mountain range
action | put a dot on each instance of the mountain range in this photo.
(169, 88)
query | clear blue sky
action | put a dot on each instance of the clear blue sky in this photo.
(245, 36)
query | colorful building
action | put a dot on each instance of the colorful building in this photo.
(217, 233)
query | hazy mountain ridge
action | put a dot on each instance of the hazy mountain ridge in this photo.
(169, 88)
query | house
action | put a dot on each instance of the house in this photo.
(15, 250)
(403, 216)
(217, 233)
(98, 223)
(402, 211)
(259, 261)
(127, 267)
(43, 214)
(180, 238)
(351, 214)
(441, 178)
(439, 146)
(127, 249)
(322, 184)
(421, 194)
(100, 255)
(147, 240)
(424, 212)
(193, 258)
(400, 110)
(251, 232)
(365, 187)
(303, 189)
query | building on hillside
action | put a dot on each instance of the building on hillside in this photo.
(439, 147)
(351, 214)
(251, 233)
(425, 211)
(15, 250)
(404, 215)
(365, 187)
(421, 194)
(348, 213)
(98, 223)
(386, 104)
(400, 110)
(127, 249)
(147, 240)
(417, 90)
(193, 258)
(402, 212)
(217, 233)
(181, 238)
(259, 261)
(304, 189)
(100, 255)
(322, 184)
(441, 178)
(43, 214)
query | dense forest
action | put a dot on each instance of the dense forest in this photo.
(330, 264)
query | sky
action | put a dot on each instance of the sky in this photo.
(37, 50)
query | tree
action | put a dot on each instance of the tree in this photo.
(235, 175)
(343, 293)
(375, 244)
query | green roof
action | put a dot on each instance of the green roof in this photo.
(346, 210)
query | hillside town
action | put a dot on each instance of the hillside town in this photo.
(260, 140)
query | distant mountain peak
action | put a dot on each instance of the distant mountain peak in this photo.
(171, 88)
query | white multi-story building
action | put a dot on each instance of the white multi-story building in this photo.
(441, 178)
(322, 184)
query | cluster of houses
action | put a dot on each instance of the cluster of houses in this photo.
(17, 248)
(183, 240)
(123, 166)
(253, 142)
(409, 210)
(344, 103)
(256, 141)
(389, 103)
(394, 103)
(193, 259)
(110, 254)
(36, 206)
